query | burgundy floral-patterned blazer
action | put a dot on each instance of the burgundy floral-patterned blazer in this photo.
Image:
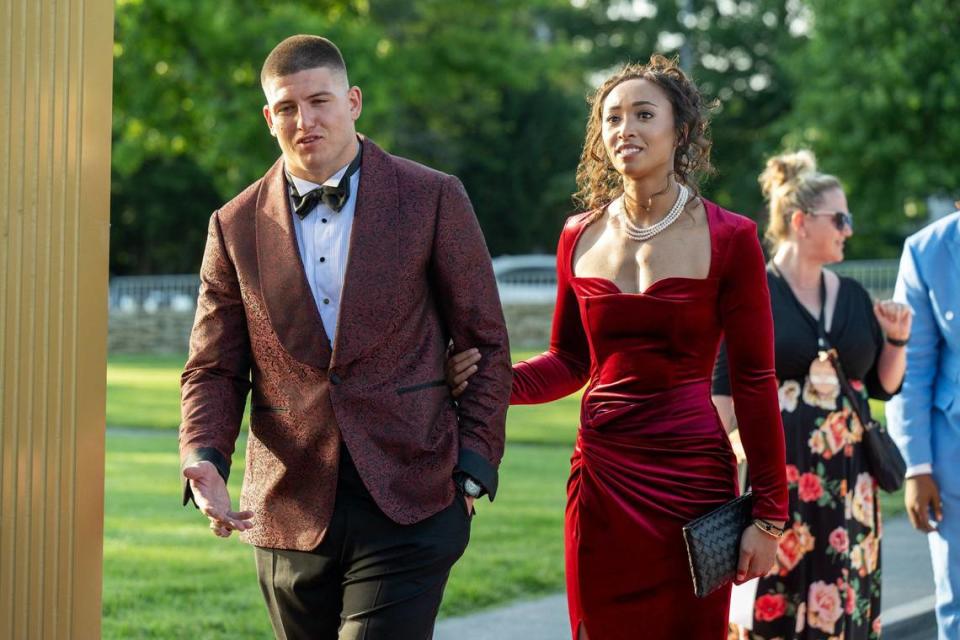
(418, 274)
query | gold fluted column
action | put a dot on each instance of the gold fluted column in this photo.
(56, 60)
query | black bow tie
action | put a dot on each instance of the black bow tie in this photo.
(332, 196)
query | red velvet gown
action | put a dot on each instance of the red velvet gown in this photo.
(651, 453)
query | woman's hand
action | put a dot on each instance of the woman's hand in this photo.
(459, 368)
(894, 318)
(758, 552)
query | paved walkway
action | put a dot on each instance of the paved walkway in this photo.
(907, 600)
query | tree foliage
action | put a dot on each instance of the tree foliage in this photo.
(493, 91)
(473, 88)
(877, 96)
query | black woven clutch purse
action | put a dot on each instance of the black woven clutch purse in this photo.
(713, 544)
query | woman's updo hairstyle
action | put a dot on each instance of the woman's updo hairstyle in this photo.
(791, 182)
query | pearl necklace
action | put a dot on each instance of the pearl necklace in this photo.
(642, 234)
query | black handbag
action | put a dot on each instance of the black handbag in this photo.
(713, 544)
(883, 456)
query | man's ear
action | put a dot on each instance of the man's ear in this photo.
(268, 116)
(355, 96)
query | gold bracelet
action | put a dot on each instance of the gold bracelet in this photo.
(769, 528)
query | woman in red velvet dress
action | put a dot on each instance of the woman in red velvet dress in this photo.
(644, 295)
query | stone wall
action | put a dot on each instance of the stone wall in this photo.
(528, 325)
(163, 331)
(168, 331)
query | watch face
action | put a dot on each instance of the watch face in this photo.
(471, 488)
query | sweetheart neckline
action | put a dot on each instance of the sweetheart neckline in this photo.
(645, 291)
(711, 229)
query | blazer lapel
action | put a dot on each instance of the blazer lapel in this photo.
(283, 283)
(368, 304)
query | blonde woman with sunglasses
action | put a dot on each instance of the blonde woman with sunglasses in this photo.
(826, 582)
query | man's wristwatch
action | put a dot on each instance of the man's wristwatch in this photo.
(469, 486)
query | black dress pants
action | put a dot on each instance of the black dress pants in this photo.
(370, 578)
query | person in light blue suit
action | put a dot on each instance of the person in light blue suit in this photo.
(925, 418)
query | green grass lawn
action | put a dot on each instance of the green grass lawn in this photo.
(166, 576)
(143, 392)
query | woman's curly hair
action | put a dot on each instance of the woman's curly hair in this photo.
(598, 182)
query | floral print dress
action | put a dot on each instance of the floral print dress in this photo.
(826, 583)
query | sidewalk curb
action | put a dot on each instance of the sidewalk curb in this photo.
(914, 620)
(909, 610)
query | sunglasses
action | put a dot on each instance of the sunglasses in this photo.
(841, 219)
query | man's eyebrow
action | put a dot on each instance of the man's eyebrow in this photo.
(318, 94)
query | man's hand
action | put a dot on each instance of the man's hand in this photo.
(210, 494)
(922, 496)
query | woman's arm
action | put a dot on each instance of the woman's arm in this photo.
(895, 320)
(722, 399)
(561, 370)
(565, 366)
(748, 328)
(724, 405)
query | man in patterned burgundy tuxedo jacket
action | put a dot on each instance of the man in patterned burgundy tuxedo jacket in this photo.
(331, 288)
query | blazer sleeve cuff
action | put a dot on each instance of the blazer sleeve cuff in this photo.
(919, 470)
(208, 454)
(477, 467)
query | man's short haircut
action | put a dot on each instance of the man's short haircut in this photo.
(299, 53)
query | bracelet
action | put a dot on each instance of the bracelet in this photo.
(768, 527)
(898, 343)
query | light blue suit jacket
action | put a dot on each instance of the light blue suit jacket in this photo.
(925, 418)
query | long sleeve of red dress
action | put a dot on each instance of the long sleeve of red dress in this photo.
(565, 366)
(744, 316)
(748, 327)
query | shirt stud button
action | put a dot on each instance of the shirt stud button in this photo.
(323, 220)
(326, 301)
(323, 259)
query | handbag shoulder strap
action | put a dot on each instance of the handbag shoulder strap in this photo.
(823, 343)
(834, 357)
(855, 402)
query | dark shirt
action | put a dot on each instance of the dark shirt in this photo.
(854, 333)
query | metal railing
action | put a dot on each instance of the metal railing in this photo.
(878, 277)
(528, 279)
(133, 294)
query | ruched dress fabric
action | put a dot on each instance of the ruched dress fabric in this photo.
(651, 453)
